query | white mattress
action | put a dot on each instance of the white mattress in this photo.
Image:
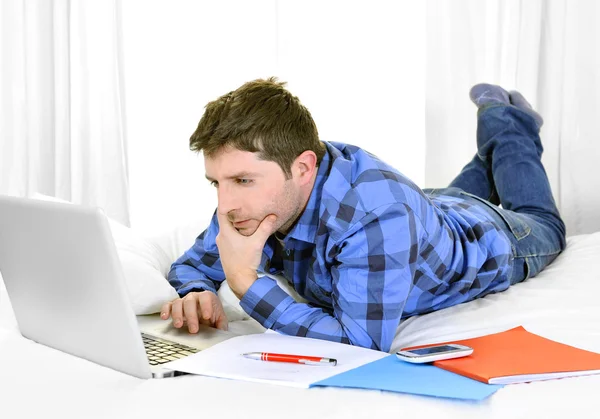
(561, 303)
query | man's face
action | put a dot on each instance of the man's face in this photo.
(249, 189)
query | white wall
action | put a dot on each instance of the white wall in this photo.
(359, 67)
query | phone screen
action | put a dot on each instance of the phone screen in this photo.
(433, 350)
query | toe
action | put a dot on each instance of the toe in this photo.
(484, 94)
(517, 99)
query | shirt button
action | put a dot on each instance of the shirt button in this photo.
(287, 252)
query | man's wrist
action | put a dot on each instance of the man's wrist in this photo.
(241, 282)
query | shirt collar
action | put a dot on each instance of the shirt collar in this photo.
(305, 228)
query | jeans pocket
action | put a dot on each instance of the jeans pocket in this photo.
(515, 222)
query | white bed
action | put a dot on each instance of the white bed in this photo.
(561, 303)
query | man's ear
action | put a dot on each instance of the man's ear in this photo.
(305, 166)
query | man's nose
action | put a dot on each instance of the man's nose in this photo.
(226, 201)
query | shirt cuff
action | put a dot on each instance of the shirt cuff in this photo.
(197, 286)
(265, 301)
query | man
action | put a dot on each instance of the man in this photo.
(358, 240)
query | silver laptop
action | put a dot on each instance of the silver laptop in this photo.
(67, 288)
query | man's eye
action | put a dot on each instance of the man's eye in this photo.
(214, 183)
(244, 181)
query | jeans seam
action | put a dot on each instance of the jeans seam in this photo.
(538, 255)
(517, 234)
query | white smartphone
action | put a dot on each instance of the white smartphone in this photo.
(434, 353)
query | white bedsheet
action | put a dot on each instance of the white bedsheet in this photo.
(561, 303)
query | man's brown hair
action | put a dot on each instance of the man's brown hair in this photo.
(260, 116)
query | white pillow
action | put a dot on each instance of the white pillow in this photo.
(145, 267)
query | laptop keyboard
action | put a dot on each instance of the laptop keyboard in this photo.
(160, 351)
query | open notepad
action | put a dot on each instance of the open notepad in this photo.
(519, 356)
(356, 368)
(224, 360)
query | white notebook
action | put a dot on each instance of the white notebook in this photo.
(225, 359)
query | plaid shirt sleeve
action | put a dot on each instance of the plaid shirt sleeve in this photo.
(199, 268)
(372, 277)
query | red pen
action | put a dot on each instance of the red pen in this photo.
(294, 359)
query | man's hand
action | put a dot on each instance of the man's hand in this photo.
(241, 255)
(196, 308)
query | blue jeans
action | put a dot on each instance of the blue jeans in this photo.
(508, 170)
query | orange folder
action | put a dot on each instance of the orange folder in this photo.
(518, 356)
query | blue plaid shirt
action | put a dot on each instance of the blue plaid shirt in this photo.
(370, 249)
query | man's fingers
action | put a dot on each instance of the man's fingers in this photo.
(165, 311)
(204, 308)
(224, 223)
(220, 319)
(195, 309)
(222, 322)
(266, 227)
(177, 313)
(206, 314)
(190, 308)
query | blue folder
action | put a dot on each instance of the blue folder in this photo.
(392, 374)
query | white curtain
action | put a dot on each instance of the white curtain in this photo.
(62, 125)
(358, 66)
(548, 50)
(61, 102)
